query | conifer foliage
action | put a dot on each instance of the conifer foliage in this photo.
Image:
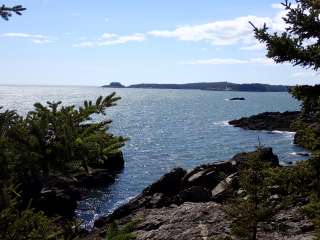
(6, 12)
(299, 44)
(56, 139)
(251, 207)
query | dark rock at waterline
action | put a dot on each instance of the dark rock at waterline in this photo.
(115, 162)
(269, 121)
(97, 178)
(58, 195)
(267, 156)
(303, 154)
(237, 99)
(169, 183)
(58, 202)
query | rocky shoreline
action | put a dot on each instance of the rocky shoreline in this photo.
(269, 121)
(59, 194)
(190, 205)
(277, 121)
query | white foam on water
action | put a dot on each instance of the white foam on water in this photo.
(222, 123)
(284, 133)
(301, 154)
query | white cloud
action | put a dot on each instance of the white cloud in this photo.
(112, 39)
(226, 32)
(106, 19)
(219, 61)
(306, 74)
(254, 47)
(277, 6)
(35, 38)
(236, 31)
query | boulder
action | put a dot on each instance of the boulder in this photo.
(58, 195)
(115, 162)
(208, 176)
(58, 202)
(97, 178)
(193, 194)
(169, 184)
(222, 191)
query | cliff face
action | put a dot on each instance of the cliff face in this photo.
(190, 205)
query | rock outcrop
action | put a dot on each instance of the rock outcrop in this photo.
(269, 121)
(276, 121)
(207, 220)
(58, 195)
(237, 99)
(190, 205)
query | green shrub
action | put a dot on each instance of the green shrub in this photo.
(247, 211)
(114, 232)
(55, 138)
(20, 224)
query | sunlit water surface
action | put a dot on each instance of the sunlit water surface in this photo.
(167, 129)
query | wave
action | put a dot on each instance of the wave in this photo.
(222, 123)
(285, 133)
(300, 154)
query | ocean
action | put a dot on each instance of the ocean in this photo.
(167, 129)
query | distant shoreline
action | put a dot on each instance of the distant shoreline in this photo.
(208, 86)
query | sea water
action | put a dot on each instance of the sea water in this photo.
(167, 129)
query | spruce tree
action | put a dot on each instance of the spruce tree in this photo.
(252, 206)
(299, 44)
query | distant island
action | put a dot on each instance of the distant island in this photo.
(209, 86)
(114, 85)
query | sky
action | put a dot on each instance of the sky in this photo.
(77, 42)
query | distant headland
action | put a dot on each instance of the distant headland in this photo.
(209, 86)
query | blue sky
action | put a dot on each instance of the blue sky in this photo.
(59, 42)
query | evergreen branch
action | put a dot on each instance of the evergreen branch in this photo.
(6, 12)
